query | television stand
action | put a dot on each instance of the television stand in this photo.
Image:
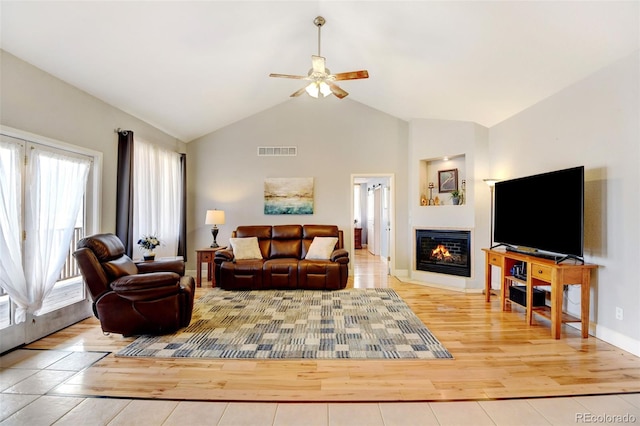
(542, 272)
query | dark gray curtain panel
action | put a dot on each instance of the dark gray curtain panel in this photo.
(182, 235)
(124, 194)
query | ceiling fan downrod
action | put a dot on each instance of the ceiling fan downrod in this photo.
(319, 22)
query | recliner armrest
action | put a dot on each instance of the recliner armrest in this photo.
(162, 265)
(149, 286)
(340, 256)
(225, 255)
(144, 281)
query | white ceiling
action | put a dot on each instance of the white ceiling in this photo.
(190, 68)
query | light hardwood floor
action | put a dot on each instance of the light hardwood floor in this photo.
(497, 356)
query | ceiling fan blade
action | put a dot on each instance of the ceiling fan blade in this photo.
(318, 64)
(298, 93)
(337, 90)
(352, 75)
(297, 77)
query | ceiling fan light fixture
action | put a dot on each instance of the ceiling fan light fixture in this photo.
(312, 89)
(317, 88)
(325, 89)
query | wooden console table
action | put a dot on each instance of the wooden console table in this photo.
(542, 272)
(206, 255)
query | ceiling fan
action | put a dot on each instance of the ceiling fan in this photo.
(322, 82)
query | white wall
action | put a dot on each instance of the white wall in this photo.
(37, 102)
(335, 139)
(595, 123)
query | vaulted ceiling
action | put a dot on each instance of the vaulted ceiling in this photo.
(190, 68)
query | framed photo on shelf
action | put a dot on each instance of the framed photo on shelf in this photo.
(448, 180)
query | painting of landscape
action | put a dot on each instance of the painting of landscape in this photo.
(288, 196)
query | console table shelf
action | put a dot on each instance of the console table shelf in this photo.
(542, 272)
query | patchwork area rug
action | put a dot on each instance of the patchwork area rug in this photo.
(296, 324)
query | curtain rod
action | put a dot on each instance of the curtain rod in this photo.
(119, 130)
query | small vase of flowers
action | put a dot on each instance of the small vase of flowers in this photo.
(147, 244)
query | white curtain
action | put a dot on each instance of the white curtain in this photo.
(55, 192)
(12, 278)
(156, 180)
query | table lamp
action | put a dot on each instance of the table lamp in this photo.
(214, 217)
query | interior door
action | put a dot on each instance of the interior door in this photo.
(375, 220)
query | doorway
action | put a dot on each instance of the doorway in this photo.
(373, 214)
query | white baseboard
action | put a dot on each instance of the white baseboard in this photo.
(618, 340)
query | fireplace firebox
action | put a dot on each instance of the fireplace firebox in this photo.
(444, 251)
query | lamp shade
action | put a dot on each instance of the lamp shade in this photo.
(312, 89)
(491, 182)
(214, 217)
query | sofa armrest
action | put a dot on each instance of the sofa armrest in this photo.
(340, 256)
(225, 255)
(149, 286)
(162, 265)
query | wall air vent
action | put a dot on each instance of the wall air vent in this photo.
(277, 151)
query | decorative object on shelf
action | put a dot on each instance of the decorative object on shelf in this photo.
(423, 200)
(147, 244)
(214, 217)
(463, 194)
(448, 180)
(436, 202)
(288, 196)
(455, 197)
(491, 182)
(431, 201)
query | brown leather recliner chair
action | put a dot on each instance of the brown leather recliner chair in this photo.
(134, 298)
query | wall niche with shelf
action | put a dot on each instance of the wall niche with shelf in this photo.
(439, 178)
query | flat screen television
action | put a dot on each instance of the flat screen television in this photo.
(542, 213)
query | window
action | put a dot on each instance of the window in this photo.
(50, 194)
(157, 184)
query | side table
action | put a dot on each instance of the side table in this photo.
(206, 255)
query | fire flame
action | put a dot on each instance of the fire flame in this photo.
(441, 253)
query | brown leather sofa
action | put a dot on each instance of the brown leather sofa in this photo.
(134, 298)
(284, 262)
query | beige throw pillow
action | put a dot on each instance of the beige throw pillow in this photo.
(245, 248)
(321, 248)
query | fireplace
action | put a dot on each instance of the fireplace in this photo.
(444, 251)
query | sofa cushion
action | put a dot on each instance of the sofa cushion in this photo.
(286, 242)
(280, 273)
(321, 248)
(245, 248)
(285, 249)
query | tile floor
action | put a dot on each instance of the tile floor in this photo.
(28, 379)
